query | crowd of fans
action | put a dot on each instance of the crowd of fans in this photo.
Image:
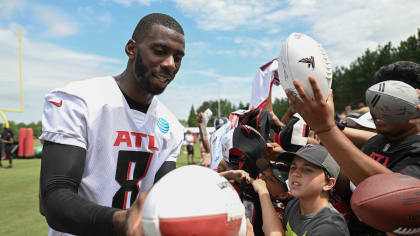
(300, 180)
(111, 139)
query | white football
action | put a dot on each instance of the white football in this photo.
(193, 200)
(393, 101)
(301, 57)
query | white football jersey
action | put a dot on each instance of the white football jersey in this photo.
(124, 147)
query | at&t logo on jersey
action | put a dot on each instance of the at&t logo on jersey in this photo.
(163, 125)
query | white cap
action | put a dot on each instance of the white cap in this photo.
(364, 120)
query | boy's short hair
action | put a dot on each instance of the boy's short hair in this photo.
(317, 155)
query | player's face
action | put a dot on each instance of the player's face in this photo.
(306, 181)
(158, 59)
(274, 186)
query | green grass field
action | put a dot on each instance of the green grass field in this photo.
(19, 186)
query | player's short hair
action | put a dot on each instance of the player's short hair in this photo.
(146, 23)
(405, 71)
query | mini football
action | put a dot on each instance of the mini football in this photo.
(393, 101)
(389, 202)
(301, 57)
(193, 200)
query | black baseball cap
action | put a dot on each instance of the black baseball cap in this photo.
(248, 140)
(280, 170)
(317, 155)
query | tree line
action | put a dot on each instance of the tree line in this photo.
(15, 127)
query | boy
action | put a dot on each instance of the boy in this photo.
(313, 173)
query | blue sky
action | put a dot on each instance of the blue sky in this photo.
(226, 42)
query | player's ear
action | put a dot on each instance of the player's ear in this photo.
(131, 49)
(329, 184)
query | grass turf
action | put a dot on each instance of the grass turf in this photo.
(19, 186)
(19, 199)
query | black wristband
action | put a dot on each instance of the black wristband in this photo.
(340, 125)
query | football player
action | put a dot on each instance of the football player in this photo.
(108, 139)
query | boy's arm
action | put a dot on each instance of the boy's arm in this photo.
(319, 115)
(272, 224)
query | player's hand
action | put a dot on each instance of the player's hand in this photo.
(128, 222)
(240, 176)
(272, 151)
(317, 113)
(259, 185)
(206, 162)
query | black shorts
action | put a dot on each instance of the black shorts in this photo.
(190, 149)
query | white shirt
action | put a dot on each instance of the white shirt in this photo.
(121, 144)
(190, 139)
(262, 84)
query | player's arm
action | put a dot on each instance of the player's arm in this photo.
(319, 115)
(62, 169)
(166, 167)
(61, 173)
(170, 163)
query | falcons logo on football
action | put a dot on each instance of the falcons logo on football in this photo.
(309, 60)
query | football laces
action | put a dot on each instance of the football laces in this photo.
(405, 230)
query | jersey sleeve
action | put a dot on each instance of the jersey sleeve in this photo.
(64, 119)
(176, 149)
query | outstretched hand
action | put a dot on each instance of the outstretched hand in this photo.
(240, 176)
(317, 113)
(259, 185)
(272, 151)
